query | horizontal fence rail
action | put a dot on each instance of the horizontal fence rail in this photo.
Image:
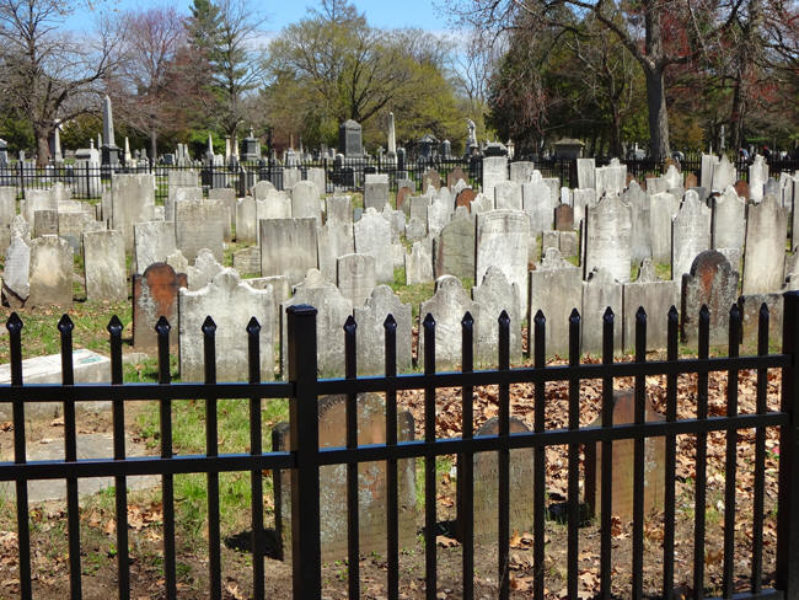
(304, 459)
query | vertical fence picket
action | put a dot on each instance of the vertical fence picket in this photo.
(392, 483)
(162, 329)
(728, 583)
(65, 327)
(671, 456)
(504, 459)
(539, 475)
(701, 459)
(572, 535)
(120, 482)
(638, 459)
(14, 326)
(607, 459)
(304, 422)
(353, 527)
(760, 456)
(430, 521)
(466, 460)
(212, 450)
(257, 539)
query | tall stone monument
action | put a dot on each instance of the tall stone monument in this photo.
(109, 150)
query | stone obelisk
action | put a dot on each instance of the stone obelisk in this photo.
(110, 150)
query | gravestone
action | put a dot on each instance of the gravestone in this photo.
(713, 282)
(454, 247)
(262, 188)
(564, 218)
(764, 253)
(349, 139)
(403, 194)
(416, 230)
(724, 175)
(231, 303)
(16, 277)
(600, 291)
(656, 296)
(338, 209)
(153, 242)
(418, 265)
(662, 210)
(582, 198)
(608, 238)
(227, 197)
(248, 261)
(502, 240)
(333, 311)
(758, 176)
(132, 200)
(199, 224)
(372, 236)
(317, 176)
(586, 173)
(495, 294)
(104, 261)
(372, 481)
(465, 198)
(431, 177)
(495, 170)
(438, 215)
(623, 452)
(611, 179)
(742, 189)
(521, 170)
(305, 202)
(334, 240)
(155, 294)
(375, 190)
(690, 234)
(508, 194)
(447, 306)
(456, 175)
(51, 265)
(177, 261)
(486, 487)
(177, 195)
(246, 220)
(556, 288)
(8, 210)
(370, 317)
(355, 277)
(288, 247)
(750, 312)
(538, 204)
(639, 202)
(276, 205)
(45, 222)
(729, 220)
(418, 207)
(205, 268)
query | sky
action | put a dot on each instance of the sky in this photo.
(422, 14)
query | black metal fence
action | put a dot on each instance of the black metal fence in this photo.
(305, 458)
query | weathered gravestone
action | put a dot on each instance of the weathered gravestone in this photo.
(494, 295)
(45, 222)
(16, 284)
(447, 306)
(8, 210)
(305, 201)
(729, 220)
(521, 170)
(758, 176)
(623, 452)
(564, 217)
(456, 175)
(403, 194)
(155, 295)
(104, 261)
(764, 253)
(750, 312)
(200, 224)
(508, 195)
(586, 173)
(608, 238)
(538, 204)
(640, 243)
(288, 247)
(454, 247)
(418, 265)
(486, 487)
(248, 260)
(742, 189)
(51, 266)
(503, 239)
(662, 210)
(375, 190)
(72, 225)
(465, 198)
(495, 170)
(656, 296)
(338, 209)
(556, 288)
(205, 268)
(231, 303)
(132, 200)
(246, 220)
(712, 282)
(372, 480)
(690, 234)
(600, 291)
(431, 177)
(334, 240)
(227, 196)
(370, 318)
(153, 242)
(355, 277)
(373, 237)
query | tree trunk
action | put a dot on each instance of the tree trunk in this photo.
(153, 145)
(658, 116)
(42, 146)
(737, 114)
(615, 133)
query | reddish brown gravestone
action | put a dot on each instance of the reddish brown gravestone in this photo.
(486, 487)
(372, 482)
(623, 461)
(742, 189)
(465, 198)
(454, 175)
(691, 181)
(155, 294)
(431, 177)
(402, 196)
(564, 218)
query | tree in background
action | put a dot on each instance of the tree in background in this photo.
(46, 74)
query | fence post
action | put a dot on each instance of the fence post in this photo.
(304, 423)
(788, 503)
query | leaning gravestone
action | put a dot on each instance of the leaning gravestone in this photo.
(372, 480)
(104, 260)
(155, 295)
(495, 294)
(486, 487)
(355, 277)
(623, 452)
(556, 288)
(152, 242)
(600, 291)
(373, 236)
(656, 296)
(608, 238)
(447, 306)
(690, 234)
(502, 240)
(764, 254)
(714, 283)
(231, 303)
(288, 247)
(370, 318)
(16, 284)
(50, 272)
